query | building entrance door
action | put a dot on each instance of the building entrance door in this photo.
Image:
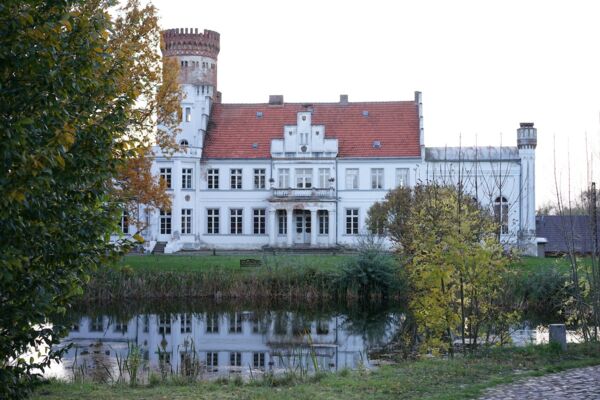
(302, 220)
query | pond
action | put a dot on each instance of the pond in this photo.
(212, 342)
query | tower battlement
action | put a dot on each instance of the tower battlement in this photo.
(190, 42)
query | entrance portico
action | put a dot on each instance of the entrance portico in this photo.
(300, 224)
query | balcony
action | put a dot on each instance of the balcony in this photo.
(314, 194)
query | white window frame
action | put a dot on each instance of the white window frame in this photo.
(186, 178)
(166, 226)
(260, 178)
(188, 114)
(165, 175)
(352, 221)
(501, 213)
(323, 217)
(212, 361)
(212, 221)
(304, 178)
(235, 359)
(324, 175)
(259, 219)
(212, 323)
(282, 222)
(212, 178)
(352, 178)
(186, 221)
(235, 178)
(283, 178)
(125, 222)
(258, 360)
(402, 177)
(236, 221)
(186, 323)
(377, 178)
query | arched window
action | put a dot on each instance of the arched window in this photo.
(501, 213)
(184, 142)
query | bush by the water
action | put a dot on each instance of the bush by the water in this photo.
(373, 272)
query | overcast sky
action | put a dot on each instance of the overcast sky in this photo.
(482, 66)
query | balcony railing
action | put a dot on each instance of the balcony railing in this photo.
(303, 194)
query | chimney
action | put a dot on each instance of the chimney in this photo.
(343, 99)
(276, 100)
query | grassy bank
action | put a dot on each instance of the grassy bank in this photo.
(460, 378)
(539, 284)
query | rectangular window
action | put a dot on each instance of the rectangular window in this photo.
(186, 221)
(164, 324)
(188, 114)
(212, 323)
(125, 222)
(303, 178)
(352, 178)
(235, 359)
(235, 323)
(259, 221)
(376, 178)
(186, 323)
(282, 221)
(402, 177)
(120, 327)
(186, 178)
(236, 219)
(322, 327)
(97, 324)
(283, 178)
(212, 361)
(259, 178)
(259, 360)
(304, 138)
(236, 178)
(165, 222)
(324, 175)
(212, 221)
(213, 178)
(352, 221)
(165, 175)
(323, 222)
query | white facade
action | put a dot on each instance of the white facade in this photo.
(305, 191)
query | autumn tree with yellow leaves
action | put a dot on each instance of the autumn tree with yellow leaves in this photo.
(82, 88)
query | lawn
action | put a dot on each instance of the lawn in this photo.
(460, 378)
(191, 263)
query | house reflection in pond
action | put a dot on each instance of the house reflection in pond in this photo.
(223, 343)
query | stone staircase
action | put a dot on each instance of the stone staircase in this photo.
(159, 248)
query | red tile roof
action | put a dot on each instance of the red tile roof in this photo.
(236, 132)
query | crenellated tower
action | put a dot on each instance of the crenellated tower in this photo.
(196, 53)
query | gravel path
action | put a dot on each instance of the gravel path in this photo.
(574, 384)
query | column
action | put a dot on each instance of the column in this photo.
(313, 227)
(332, 227)
(272, 226)
(290, 227)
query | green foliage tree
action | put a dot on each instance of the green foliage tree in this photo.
(455, 264)
(70, 89)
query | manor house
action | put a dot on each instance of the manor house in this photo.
(281, 175)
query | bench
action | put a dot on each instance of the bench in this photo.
(249, 262)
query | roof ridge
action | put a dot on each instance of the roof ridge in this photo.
(316, 103)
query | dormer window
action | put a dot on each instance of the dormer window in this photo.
(376, 144)
(304, 118)
(365, 113)
(184, 143)
(259, 114)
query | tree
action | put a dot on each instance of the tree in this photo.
(454, 262)
(76, 106)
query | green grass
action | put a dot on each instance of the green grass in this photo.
(192, 263)
(460, 378)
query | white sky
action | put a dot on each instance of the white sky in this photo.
(483, 66)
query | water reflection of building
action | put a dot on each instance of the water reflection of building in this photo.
(222, 343)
